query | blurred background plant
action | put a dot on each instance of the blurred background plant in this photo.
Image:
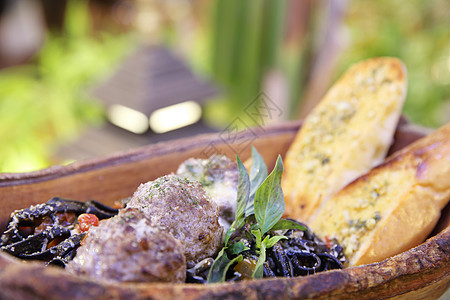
(45, 102)
(290, 50)
(418, 32)
(302, 46)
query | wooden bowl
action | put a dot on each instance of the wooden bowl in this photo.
(422, 272)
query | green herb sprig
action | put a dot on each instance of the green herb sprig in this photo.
(260, 206)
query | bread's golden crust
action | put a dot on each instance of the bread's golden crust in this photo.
(348, 133)
(407, 193)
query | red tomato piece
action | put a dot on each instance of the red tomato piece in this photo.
(86, 221)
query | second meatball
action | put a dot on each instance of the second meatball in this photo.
(183, 208)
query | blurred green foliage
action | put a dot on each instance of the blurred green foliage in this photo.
(241, 41)
(237, 44)
(46, 102)
(416, 31)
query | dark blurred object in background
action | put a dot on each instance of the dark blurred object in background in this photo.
(152, 96)
(24, 24)
(21, 31)
(53, 11)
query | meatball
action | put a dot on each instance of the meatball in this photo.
(127, 248)
(219, 176)
(183, 208)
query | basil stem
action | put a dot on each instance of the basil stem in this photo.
(258, 272)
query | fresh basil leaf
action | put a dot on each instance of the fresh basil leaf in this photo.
(258, 173)
(258, 237)
(269, 199)
(237, 248)
(216, 273)
(220, 267)
(228, 235)
(258, 272)
(288, 224)
(250, 209)
(270, 241)
(243, 190)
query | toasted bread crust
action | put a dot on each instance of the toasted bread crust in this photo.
(395, 206)
(347, 134)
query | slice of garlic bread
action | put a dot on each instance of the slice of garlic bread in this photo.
(395, 206)
(345, 135)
